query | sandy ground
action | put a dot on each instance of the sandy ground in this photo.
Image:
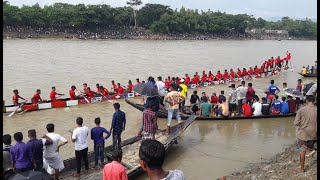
(282, 166)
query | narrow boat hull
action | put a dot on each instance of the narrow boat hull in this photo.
(308, 75)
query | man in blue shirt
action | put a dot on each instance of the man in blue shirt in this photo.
(284, 106)
(118, 125)
(21, 155)
(276, 105)
(36, 146)
(98, 140)
(273, 89)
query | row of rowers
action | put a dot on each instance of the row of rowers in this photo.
(74, 93)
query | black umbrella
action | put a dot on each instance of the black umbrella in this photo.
(307, 87)
(145, 89)
(293, 92)
(31, 175)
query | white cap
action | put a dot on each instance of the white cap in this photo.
(182, 80)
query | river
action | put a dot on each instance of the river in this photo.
(206, 150)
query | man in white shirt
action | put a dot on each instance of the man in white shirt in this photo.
(241, 95)
(257, 106)
(51, 154)
(79, 137)
(161, 89)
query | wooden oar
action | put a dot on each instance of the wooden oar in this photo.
(17, 109)
(86, 99)
(29, 108)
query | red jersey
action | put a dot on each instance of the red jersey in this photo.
(15, 99)
(250, 72)
(246, 110)
(114, 87)
(120, 90)
(282, 60)
(198, 77)
(187, 81)
(239, 73)
(35, 99)
(210, 78)
(130, 87)
(194, 80)
(262, 69)
(53, 96)
(278, 61)
(72, 94)
(214, 99)
(90, 94)
(167, 83)
(226, 75)
(272, 61)
(244, 73)
(288, 57)
(105, 92)
(256, 70)
(232, 74)
(85, 90)
(268, 64)
(218, 76)
(204, 79)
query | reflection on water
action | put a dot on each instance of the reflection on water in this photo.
(207, 149)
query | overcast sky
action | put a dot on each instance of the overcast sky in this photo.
(259, 8)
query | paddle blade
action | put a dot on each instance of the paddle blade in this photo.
(12, 114)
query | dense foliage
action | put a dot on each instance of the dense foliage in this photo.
(156, 17)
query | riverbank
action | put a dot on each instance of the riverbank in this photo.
(140, 33)
(282, 166)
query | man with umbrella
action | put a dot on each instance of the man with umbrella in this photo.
(173, 98)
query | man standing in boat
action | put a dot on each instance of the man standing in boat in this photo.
(149, 120)
(53, 94)
(173, 98)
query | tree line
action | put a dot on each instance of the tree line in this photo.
(155, 17)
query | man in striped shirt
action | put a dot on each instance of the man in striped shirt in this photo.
(149, 119)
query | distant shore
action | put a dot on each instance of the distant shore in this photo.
(281, 166)
(128, 34)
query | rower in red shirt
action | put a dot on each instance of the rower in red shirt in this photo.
(114, 86)
(232, 74)
(278, 62)
(130, 86)
(197, 76)
(15, 97)
(120, 89)
(72, 93)
(256, 70)
(218, 76)
(239, 73)
(244, 72)
(272, 62)
(36, 97)
(194, 80)
(98, 88)
(204, 77)
(90, 94)
(104, 91)
(53, 94)
(250, 72)
(187, 81)
(166, 83)
(204, 74)
(210, 77)
(138, 81)
(225, 75)
(288, 57)
(268, 64)
(178, 80)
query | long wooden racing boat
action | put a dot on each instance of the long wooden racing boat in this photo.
(162, 113)
(66, 102)
(130, 158)
(308, 75)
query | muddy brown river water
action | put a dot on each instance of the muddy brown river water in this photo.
(207, 149)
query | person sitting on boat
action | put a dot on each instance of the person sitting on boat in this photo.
(120, 90)
(214, 101)
(311, 70)
(244, 72)
(167, 82)
(257, 107)
(130, 86)
(276, 105)
(246, 108)
(90, 94)
(271, 63)
(239, 73)
(114, 87)
(187, 80)
(178, 80)
(16, 97)
(138, 81)
(73, 93)
(232, 74)
(284, 87)
(104, 91)
(85, 89)
(36, 97)
(210, 77)
(223, 108)
(203, 94)
(194, 102)
(197, 76)
(205, 108)
(221, 96)
(98, 88)
(304, 70)
(284, 106)
(307, 68)
(292, 104)
(152, 155)
(204, 76)
(194, 80)
(225, 75)
(265, 109)
(218, 76)
(53, 95)
(250, 72)
(278, 63)
(115, 170)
